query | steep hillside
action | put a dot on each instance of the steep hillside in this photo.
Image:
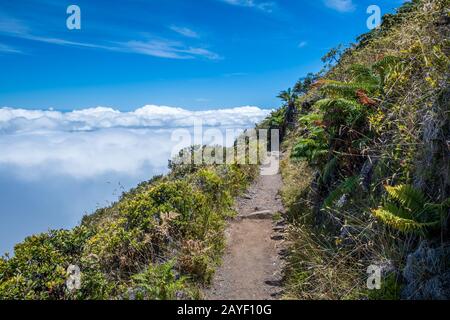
(162, 240)
(367, 166)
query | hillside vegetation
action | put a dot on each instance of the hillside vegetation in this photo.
(366, 171)
(161, 240)
(367, 163)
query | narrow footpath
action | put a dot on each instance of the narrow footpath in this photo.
(252, 264)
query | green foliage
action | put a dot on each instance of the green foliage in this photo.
(384, 124)
(157, 282)
(348, 186)
(179, 218)
(342, 112)
(310, 149)
(409, 211)
(304, 84)
(312, 146)
(38, 268)
(391, 289)
(333, 56)
(275, 120)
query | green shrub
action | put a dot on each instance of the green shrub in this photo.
(157, 282)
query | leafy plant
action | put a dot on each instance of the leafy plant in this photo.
(313, 146)
(409, 210)
(157, 282)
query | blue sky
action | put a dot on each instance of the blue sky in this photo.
(195, 54)
(219, 61)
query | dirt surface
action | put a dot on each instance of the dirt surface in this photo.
(251, 268)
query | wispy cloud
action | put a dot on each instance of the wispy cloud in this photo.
(302, 44)
(168, 49)
(8, 49)
(161, 48)
(264, 6)
(340, 5)
(185, 31)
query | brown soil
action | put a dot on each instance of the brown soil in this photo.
(251, 268)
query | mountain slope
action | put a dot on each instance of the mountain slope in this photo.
(366, 167)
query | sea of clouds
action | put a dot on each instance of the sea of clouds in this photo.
(56, 166)
(95, 141)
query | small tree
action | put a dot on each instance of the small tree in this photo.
(289, 97)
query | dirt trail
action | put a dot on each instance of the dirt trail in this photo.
(251, 268)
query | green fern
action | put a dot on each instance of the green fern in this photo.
(313, 146)
(341, 111)
(309, 149)
(371, 80)
(409, 197)
(389, 217)
(409, 210)
(364, 75)
(347, 90)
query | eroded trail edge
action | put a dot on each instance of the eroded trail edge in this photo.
(252, 263)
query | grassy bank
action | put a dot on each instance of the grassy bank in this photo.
(366, 163)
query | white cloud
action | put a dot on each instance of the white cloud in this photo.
(302, 44)
(185, 31)
(161, 48)
(97, 141)
(150, 116)
(341, 5)
(264, 6)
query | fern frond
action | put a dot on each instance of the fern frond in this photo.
(363, 74)
(402, 224)
(385, 66)
(339, 89)
(344, 104)
(409, 197)
(410, 213)
(310, 118)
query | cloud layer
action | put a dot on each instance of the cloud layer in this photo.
(97, 141)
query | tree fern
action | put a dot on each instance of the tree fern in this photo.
(341, 111)
(370, 80)
(313, 146)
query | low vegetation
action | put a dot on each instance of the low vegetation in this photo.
(161, 240)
